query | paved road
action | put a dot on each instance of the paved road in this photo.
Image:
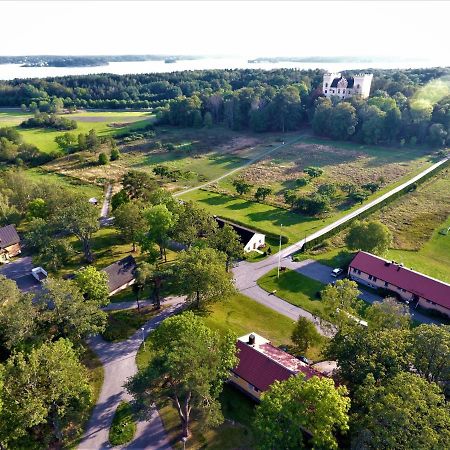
(19, 270)
(248, 163)
(119, 364)
(104, 213)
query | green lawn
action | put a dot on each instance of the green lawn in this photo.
(123, 425)
(330, 256)
(44, 139)
(433, 258)
(294, 288)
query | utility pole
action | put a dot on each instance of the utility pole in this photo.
(279, 253)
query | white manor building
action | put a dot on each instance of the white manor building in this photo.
(336, 84)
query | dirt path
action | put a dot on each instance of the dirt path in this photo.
(237, 169)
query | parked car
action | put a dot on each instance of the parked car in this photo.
(39, 273)
(336, 272)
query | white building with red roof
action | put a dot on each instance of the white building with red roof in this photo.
(406, 283)
(261, 364)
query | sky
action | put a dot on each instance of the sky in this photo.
(238, 28)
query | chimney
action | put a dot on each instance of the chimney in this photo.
(251, 339)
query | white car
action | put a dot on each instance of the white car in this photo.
(336, 272)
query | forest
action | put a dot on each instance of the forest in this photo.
(405, 107)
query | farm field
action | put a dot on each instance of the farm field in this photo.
(104, 123)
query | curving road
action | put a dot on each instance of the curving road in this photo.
(119, 364)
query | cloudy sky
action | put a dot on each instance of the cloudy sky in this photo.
(254, 28)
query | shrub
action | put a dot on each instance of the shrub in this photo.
(115, 154)
(102, 159)
(123, 425)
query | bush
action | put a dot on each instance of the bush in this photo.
(123, 425)
(115, 154)
(103, 159)
(302, 181)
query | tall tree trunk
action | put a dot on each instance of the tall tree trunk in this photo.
(198, 299)
(137, 300)
(87, 250)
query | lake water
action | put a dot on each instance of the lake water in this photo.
(11, 71)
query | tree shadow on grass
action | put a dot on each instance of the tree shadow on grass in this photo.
(216, 200)
(244, 205)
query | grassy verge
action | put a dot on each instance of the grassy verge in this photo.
(294, 288)
(123, 425)
(123, 323)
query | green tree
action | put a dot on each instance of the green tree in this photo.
(389, 314)
(322, 115)
(129, 219)
(405, 413)
(9, 292)
(150, 274)
(200, 274)
(8, 212)
(39, 234)
(103, 159)
(341, 303)
(242, 187)
(43, 391)
(373, 237)
(327, 189)
(80, 218)
(64, 312)
(189, 365)
(93, 284)
(208, 120)
(37, 208)
(119, 198)
(290, 197)
(431, 351)
(360, 352)
(54, 254)
(138, 185)
(262, 192)
(193, 224)
(160, 222)
(66, 142)
(227, 241)
(82, 143)
(92, 140)
(294, 407)
(342, 121)
(313, 172)
(305, 335)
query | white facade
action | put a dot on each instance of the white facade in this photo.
(257, 240)
(334, 84)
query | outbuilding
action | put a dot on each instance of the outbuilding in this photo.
(9, 243)
(250, 239)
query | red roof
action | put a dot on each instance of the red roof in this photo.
(263, 369)
(414, 282)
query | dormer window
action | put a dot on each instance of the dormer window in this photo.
(326, 84)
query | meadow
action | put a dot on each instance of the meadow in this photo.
(104, 123)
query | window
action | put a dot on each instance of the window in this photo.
(326, 91)
(374, 278)
(326, 85)
(332, 91)
(339, 91)
(386, 284)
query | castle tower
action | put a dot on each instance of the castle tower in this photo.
(327, 80)
(362, 84)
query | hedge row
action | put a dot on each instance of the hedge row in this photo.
(374, 208)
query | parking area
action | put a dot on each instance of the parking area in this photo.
(19, 270)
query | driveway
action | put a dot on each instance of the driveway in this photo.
(19, 270)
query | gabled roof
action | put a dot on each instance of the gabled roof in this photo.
(350, 82)
(8, 236)
(245, 234)
(261, 364)
(121, 272)
(408, 279)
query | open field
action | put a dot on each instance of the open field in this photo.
(200, 154)
(342, 162)
(101, 122)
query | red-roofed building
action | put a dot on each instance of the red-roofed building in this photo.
(261, 364)
(406, 283)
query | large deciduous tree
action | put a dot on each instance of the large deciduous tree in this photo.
(373, 237)
(189, 365)
(294, 408)
(138, 185)
(226, 240)
(80, 218)
(93, 284)
(42, 391)
(200, 274)
(305, 335)
(388, 314)
(406, 413)
(129, 219)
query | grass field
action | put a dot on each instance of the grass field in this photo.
(294, 288)
(44, 139)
